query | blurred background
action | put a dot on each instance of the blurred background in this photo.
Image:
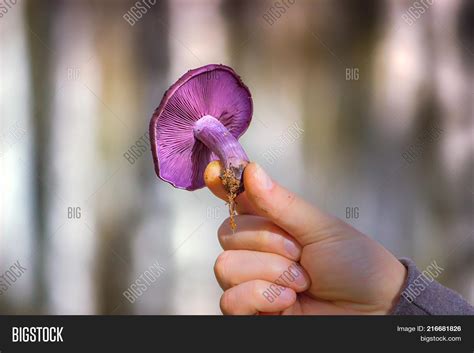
(363, 107)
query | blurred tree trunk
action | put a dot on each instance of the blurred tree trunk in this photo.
(134, 61)
(39, 17)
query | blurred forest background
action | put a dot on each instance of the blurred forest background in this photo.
(383, 92)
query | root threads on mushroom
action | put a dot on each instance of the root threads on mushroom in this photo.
(232, 186)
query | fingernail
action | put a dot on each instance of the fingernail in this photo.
(292, 248)
(300, 278)
(301, 281)
(263, 178)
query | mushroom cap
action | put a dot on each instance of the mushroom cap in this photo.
(180, 159)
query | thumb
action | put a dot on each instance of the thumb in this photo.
(268, 199)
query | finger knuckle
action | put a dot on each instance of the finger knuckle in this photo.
(220, 266)
(225, 303)
(257, 290)
(224, 228)
(264, 238)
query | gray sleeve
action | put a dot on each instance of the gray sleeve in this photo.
(423, 295)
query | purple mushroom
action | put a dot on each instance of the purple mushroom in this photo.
(199, 120)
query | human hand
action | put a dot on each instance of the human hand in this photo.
(320, 264)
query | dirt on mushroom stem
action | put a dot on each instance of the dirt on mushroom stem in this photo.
(234, 186)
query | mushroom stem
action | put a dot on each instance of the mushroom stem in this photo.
(219, 140)
(212, 133)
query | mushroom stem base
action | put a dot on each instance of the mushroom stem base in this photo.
(234, 186)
